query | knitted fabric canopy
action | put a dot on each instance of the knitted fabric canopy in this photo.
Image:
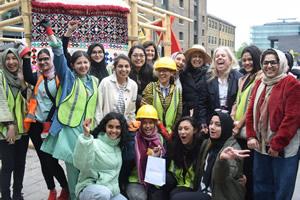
(100, 21)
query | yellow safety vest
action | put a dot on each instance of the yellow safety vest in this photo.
(242, 100)
(186, 181)
(75, 105)
(167, 118)
(16, 107)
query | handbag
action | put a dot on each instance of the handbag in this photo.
(155, 171)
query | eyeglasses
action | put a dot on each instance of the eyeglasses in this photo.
(221, 110)
(97, 52)
(138, 55)
(45, 59)
(272, 62)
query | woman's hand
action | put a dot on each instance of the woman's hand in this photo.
(236, 129)
(21, 77)
(11, 134)
(72, 25)
(157, 151)
(87, 126)
(191, 112)
(143, 102)
(22, 48)
(253, 144)
(230, 153)
(243, 180)
(273, 153)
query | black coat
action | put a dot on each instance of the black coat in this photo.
(193, 80)
(212, 93)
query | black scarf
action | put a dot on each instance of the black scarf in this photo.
(98, 69)
(217, 145)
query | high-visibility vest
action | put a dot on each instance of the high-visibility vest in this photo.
(75, 105)
(242, 100)
(16, 107)
(33, 102)
(186, 180)
(167, 118)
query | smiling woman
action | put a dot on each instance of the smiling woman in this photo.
(117, 92)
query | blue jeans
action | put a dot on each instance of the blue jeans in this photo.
(274, 178)
(98, 192)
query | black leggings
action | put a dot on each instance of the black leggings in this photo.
(50, 166)
(12, 158)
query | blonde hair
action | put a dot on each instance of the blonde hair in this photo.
(213, 70)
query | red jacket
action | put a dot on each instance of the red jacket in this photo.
(284, 112)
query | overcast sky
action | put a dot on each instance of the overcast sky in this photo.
(246, 13)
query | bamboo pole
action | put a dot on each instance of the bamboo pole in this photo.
(156, 28)
(7, 39)
(12, 21)
(129, 26)
(134, 23)
(150, 12)
(4, 11)
(10, 5)
(156, 21)
(26, 16)
(151, 6)
(144, 18)
(10, 28)
(167, 36)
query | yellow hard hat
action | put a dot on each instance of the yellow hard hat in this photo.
(167, 63)
(147, 111)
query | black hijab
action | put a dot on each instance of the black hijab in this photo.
(217, 145)
(97, 69)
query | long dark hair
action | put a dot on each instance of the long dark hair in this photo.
(176, 149)
(151, 43)
(100, 129)
(255, 54)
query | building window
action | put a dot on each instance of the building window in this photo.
(164, 4)
(208, 39)
(216, 25)
(225, 42)
(222, 42)
(180, 21)
(220, 27)
(180, 35)
(202, 44)
(181, 3)
(209, 23)
(195, 39)
(219, 41)
(203, 33)
(203, 19)
(223, 28)
(226, 29)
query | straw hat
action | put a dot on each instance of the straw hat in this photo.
(197, 48)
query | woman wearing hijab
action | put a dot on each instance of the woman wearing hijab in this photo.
(39, 115)
(193, 82)
(13, 136)
(219, 164)
(95, 51)
(272, 122)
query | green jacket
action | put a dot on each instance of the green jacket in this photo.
(99, 161)
(225, 174)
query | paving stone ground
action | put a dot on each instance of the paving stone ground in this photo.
(35, 187)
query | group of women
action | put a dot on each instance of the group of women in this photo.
(201, 118)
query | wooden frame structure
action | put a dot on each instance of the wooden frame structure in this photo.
(134, 24)
(24, 18)
(136, 21)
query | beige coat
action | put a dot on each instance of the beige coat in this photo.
(108, 94)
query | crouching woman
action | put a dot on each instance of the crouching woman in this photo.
(99, 159)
